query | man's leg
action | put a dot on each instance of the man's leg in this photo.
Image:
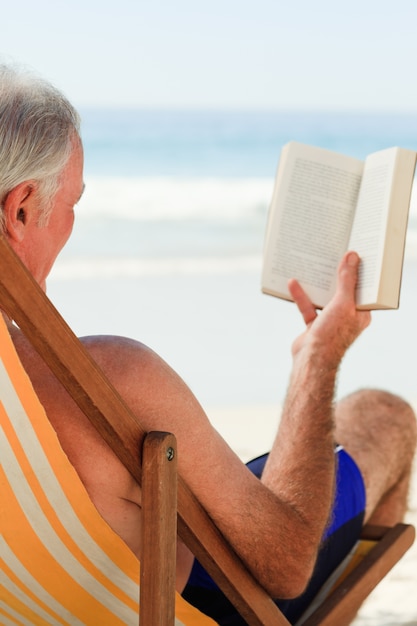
(378, 430)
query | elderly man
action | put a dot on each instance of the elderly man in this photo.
(297, 512)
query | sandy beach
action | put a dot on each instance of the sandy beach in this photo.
(394, 601)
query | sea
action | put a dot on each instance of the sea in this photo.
(168, 239)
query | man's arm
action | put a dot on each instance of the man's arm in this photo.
(275, 524)
(301, 465)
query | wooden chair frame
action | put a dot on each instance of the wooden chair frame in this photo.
(340, 608)
(25, 303)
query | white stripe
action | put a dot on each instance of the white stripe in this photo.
(7, 622)
(51, 540)
(57, 498)
(31, 583)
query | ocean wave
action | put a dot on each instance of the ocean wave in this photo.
(176, 198)
(132, 227)
(161, 198)
(88, 268)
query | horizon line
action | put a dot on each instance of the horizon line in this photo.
(245, 109)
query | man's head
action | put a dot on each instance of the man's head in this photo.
(38, 129)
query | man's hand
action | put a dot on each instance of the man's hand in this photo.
(334, 329)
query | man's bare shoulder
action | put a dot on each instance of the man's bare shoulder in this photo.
(138, 373)
(114, 354)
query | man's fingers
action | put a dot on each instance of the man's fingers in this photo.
(348, 279)
(348, 275)
(302, 301)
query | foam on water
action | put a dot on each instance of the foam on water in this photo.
(150, 226)
(173, 198)
(88, 268)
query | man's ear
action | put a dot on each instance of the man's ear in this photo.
(18, 209)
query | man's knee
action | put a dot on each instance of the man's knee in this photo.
(378, 429)
(370, 397)
(370, 407)
(377, 422)
(391, 412)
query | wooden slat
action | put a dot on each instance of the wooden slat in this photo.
(23, 300)
(159, 530)
(343, 604)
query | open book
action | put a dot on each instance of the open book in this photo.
(324, 204)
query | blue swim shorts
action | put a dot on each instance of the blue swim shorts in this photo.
(342, 533)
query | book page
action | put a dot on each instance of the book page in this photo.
(368, 231)
(311, 217)
(378, 233)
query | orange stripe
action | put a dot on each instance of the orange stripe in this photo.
(12, 619)
(33, 555)
(54, 520)
(22, 609)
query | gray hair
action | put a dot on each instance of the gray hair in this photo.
(38, 127)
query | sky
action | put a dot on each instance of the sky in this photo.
(221, 54)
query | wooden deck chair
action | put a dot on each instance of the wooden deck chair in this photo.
(95, 553)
